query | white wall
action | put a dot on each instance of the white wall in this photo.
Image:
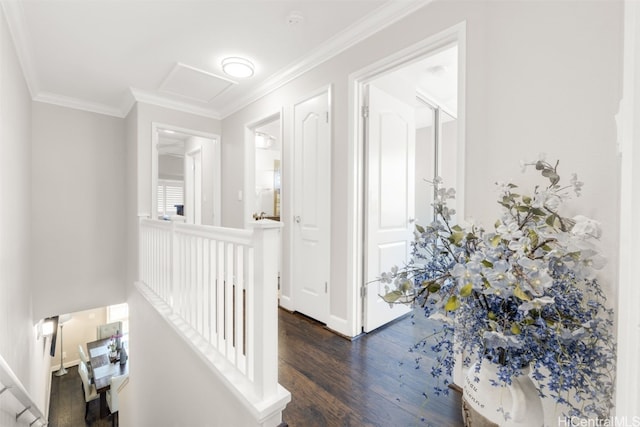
(540, 77)
(26, 355)
(79, 208)
(131, 194)
(628, 371)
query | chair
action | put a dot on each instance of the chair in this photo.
(108, 330)
(85, 359)
(117, 384)
(89, 389)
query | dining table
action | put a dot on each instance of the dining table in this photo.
(104, 366)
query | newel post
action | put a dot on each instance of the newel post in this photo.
(266, 243)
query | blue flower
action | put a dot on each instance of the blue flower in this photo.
(523, 295)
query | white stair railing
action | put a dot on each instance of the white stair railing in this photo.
(9, 382)
(223, 283)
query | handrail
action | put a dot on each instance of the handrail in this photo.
(12, 383)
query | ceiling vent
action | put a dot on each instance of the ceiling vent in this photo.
(194, 84)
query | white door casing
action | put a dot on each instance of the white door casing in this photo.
(193, 187)
(311, 207)
(390, 199)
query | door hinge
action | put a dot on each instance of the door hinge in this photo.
(326, 287)
(327, 116)
(363, 292)
(365, 111)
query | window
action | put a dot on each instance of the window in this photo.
(119, 313)
(170, 194)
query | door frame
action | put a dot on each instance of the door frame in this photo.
(192, 187)
(250, 162)
(286, 238)
(356, 161)
(217, 167)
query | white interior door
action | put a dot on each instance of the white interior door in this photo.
(311, 207)
(390, 199)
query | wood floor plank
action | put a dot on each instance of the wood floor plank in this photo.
(373, 377)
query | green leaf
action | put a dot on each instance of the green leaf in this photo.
(522, 208)
(487, 263)
(492, 315)
(515, 329)
(552, 175)
(551, 220)
(406, 286)
(538, 211)
(456, 237)
(526, 199)
(452, 304)
(495, 240)
(519, 293)
(456, 228)
(466, 290)
(433, 287)
(392, 296)
(419, 228)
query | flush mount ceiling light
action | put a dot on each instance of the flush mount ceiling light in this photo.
(237, 67)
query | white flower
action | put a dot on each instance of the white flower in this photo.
(546, 199)
(535, 304)
(577, 185)
(509, 231)
(586, 227)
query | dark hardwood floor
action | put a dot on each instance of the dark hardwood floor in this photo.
(66, 408)
(372, 381)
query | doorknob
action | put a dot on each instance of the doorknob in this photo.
(297, 219)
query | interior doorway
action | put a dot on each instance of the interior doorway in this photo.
(186, 174)
(409, 132)
(268, 170)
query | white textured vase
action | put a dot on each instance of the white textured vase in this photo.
(515, 405)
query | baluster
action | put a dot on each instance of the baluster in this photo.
(220, 301)
(228, 303)
(200, 284)
(239, 309)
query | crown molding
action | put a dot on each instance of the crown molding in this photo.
(14, 15)
(78, 104)
(160, 101)
(387, 14)
(384, 16)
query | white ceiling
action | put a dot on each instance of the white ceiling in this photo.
(102, 55)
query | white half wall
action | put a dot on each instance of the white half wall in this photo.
(173, 386)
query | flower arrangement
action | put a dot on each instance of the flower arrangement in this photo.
(523, 294)
(114, 344)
